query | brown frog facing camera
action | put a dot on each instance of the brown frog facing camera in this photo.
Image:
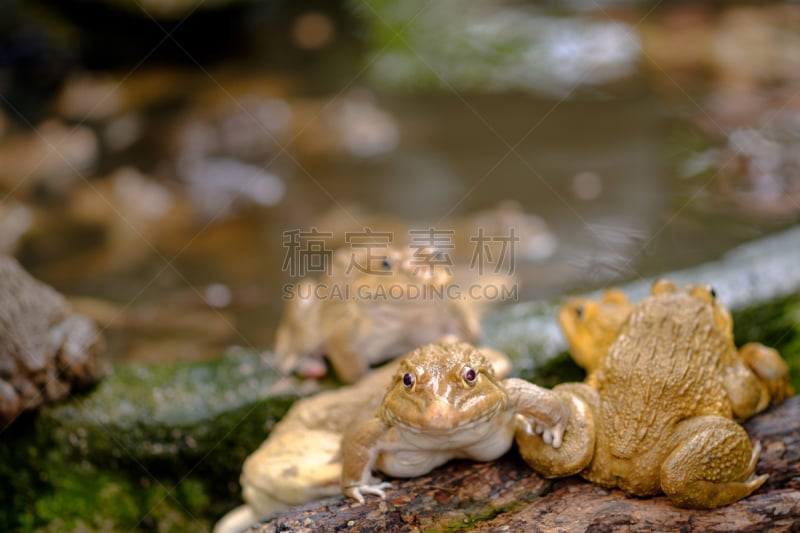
(439, 402)
(656, 413)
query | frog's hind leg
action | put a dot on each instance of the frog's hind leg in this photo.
(577, 446)
(711, 465)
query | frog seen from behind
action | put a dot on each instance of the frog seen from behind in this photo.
(657, 411)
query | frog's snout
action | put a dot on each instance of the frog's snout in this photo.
(439, 415)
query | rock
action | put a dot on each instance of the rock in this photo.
(15, 221)
(507, 496)
(160, 444)
(46, 351)
(175, 413)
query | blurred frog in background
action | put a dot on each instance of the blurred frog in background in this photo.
(371, 309)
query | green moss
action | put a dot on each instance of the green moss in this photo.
(776, 324)
(81, 494)
(474, 519)
(175, 417)
(158, 448)
(559, 369)
(46, 492)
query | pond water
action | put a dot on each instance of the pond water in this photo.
(171, 228)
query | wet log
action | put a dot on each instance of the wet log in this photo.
(506, 495)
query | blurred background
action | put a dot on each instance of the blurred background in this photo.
(154, 152)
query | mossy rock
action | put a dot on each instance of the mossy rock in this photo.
(160, 443)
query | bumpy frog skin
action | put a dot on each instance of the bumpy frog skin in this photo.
(373, 324)
(302, 458)
(657, 413)
(445, 402)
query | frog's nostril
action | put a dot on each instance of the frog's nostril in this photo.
(439, 414)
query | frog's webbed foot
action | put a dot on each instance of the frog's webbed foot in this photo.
(357, 492)
(541, 411)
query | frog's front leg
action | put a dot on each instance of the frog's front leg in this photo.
(540, 411)
(348, 363)
(757, 377)
(770, 368)
(359, 452)
(298, 342)
(577, 447)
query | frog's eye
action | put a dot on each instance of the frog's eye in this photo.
(712, 292)
(409, 380)
(386, 264)
(470, 376)
(579, 312)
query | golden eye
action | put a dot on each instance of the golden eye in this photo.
(470, 376)
(409, 380)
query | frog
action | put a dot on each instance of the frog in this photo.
(444, 402)
(318, 449)
(659, 414)
(591, 326)
(372, 307)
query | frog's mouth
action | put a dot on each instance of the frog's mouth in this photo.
(441, 423)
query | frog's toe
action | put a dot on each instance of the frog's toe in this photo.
(554, 435)
(551, 435)
(358, 492)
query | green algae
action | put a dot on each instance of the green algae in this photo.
(156, 448)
